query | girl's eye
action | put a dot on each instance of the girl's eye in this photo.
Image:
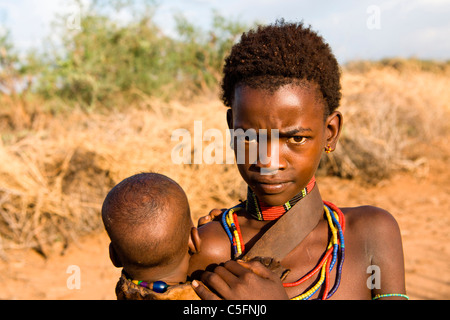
(297, 140)
(250, 139)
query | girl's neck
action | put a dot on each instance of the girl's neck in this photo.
(264, 212)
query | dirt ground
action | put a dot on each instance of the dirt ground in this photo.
(419, 202)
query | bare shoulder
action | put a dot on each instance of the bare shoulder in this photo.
(370, 219)
(375, 232)
(374, 227)
(212, 234)
(214, 248)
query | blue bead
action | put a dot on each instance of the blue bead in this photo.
(160, 286)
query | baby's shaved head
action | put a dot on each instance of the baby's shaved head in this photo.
(148, 219)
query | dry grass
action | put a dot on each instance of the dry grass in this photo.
(54, 179)
(393, 120)
(57, 169)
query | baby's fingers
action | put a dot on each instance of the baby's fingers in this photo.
(203, 292)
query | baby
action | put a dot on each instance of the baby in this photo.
(147, 218)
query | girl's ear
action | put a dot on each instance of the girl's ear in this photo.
(230, 118)
(333, 130)
(114, 257)
(194, 241)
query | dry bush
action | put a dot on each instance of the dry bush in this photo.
(56, 169)
(393, 119)
(54, 179)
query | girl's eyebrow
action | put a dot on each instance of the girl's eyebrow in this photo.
(293, 131)
(282, 132)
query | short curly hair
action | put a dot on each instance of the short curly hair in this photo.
(278, 54)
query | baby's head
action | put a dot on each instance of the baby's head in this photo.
(148, 220)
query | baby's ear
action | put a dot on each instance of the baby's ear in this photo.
(194, 241)
(114, 257)
(230, 118)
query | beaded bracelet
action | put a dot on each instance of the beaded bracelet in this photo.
(379, 296)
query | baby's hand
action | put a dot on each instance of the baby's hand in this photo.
(214, 213)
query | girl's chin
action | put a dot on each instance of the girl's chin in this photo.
(273, 199)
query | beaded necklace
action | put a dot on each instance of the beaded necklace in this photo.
(336, 224)
(334, 251)
(264, 212)
(157, 286)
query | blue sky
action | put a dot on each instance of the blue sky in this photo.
(364, 29)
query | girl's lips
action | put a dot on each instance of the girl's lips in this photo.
(271, 188)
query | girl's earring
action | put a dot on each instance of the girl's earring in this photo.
(328, 149)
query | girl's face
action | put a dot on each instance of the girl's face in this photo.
(298, 114)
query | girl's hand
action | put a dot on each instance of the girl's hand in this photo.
(239, 280)
(214, 213)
